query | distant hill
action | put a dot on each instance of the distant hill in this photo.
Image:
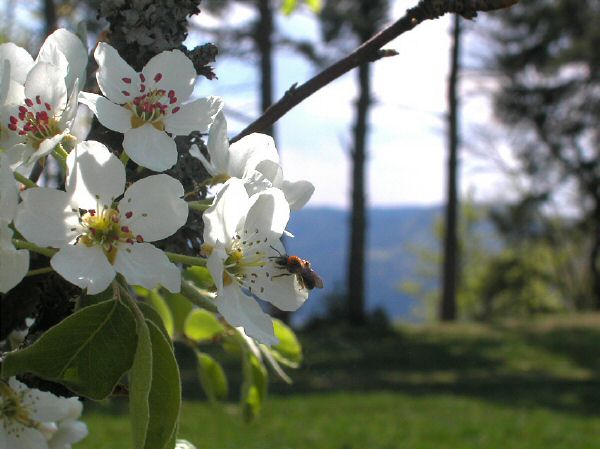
(322, 237)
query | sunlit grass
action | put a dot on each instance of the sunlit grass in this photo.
(522, 385)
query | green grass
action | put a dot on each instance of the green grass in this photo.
(516, 385)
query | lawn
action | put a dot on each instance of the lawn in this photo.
(522, 385)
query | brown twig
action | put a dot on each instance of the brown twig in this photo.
(370, 51)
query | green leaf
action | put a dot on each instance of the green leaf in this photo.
(212, 377)
(140, 381)
(180, 308)
(88, 351)
(200, 276)
(254, 387)
(315, 5)
(165, 391)
(288, 6)
(163, 310)
(288, 351)
(202, 325)
(151, 314)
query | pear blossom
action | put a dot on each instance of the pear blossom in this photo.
(44, 117)
(98, 237)
(242, 240)
(14, 263)
(34, 419)
(253, 159)
(39, 107)
(145, 106)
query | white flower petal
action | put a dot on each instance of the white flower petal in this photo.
(280, 288)
(171, 70)
(69, 45)
(45, 148)
(223, 217)
(218, 144)
(241, 310)
(9, 196)
(112, 69)
(68, 115)
(144, 264)
(196, 115)
(297, 193)
(84, 266)
(248, 152)
(158, 210)
(210, 168)
(44, 406)
(13, 263)
(150, 148)
(47, 82)
(26, 438)
(215, 264)
(46, 217)
(4, 81)
(96, 176)
(67, 434)
(110, 115)
(269, 213)
(20, 61)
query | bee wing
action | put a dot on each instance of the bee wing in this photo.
(318, 280)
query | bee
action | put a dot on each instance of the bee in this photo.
(307, 277)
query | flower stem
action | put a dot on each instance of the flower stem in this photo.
(186, 260)
(22, 244)
(39, 271)
(60, 155)
(25, 181)
(124, 158)
(200, 205)
(198, 296)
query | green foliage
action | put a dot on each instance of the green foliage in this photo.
(180, 308)
(212, 377)
(202, 325)
(289, 6)
(88, 352)
(288, 351)
(140, 381)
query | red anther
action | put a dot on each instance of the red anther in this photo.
(136, 101)
(128, 214)
(27, 127)
(48, 106)
(13, 119)
(92, 212)
(130, 241)
(171, 93)
(93, 231)
(38, 99)
(173, 100)
(175, 109)
(12, 127)
(139, 239)
(126, 80)
(142, 77)
(22, 109)
(157, 77)
(124, 92)
(22, 133)
(114, 219)
(125, 228)
(142, 88)
(28, 102)
(42, 116)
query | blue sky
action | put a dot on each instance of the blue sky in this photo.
(407, 150)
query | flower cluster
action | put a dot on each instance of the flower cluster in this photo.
(34, 419)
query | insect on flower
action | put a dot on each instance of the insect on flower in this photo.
(307, 277)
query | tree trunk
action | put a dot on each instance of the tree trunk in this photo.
(447, 310)
(264, 44)
(49, 17)
(595, 257)
(356, 268)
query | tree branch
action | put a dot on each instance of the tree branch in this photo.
(370, 51)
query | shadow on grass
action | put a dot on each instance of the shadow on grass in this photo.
(555, 367)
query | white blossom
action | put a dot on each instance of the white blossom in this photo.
(242, 240)
(14, 263)
(145, 106)
(34, 419)
(254, 159)
(97, 236)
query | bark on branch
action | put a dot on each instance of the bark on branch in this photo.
(370, 51)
